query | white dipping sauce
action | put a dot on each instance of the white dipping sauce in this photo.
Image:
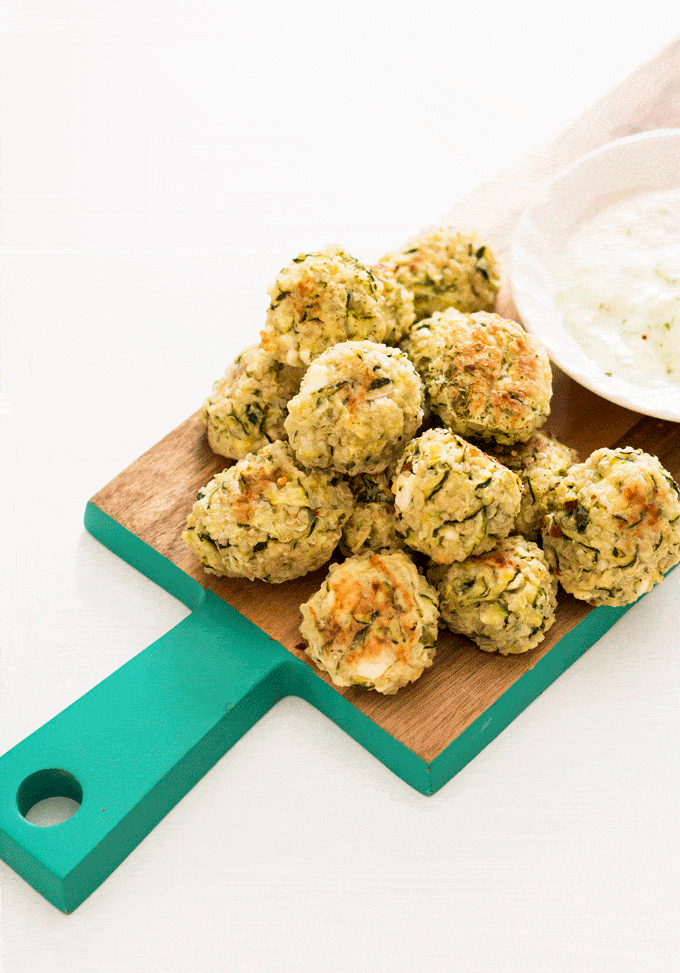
(619, 289)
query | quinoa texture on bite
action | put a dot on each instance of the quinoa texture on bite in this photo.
(373, 623)
(504, 599)
(444, 268)
(266, 518)
(451, 499)
(485, 376)
(398, 303)
(359, 404)
(371, 526)
(614, 527)
(248, 405)
(318, 300)
(540, 463)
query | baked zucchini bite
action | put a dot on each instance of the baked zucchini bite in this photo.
(398, 303)
(372, 524)
(359, 404)
(318, 300)
(485, 376)
(373, 623)
(444, 268)
(504, 599)
(247, 406)
(614, 527)
(452, 500)
(540, 464)
(267, 518)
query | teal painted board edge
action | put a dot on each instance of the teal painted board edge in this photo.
(523, 692)
(33, 871)
(139, 555)
(397, 757)
(258, 672)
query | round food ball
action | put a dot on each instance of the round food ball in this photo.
(614, 527)
(248, 405)
(266, 518)
(359, 404)
(398, 303)
(540, 464)
(373, 622)
(504, 600)
(451, 499)
(485, 376)
(318, 300)
(371, 526)
(445, 268)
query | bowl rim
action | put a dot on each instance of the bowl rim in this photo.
(565, 353)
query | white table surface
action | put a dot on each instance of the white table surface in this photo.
(160, 163)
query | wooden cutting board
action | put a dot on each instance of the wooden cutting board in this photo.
(135, 744)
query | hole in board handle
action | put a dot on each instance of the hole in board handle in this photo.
(49, 797)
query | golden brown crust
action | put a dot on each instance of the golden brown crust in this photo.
(504, 600)
(614, 526)
(373, 622)
(445, 268)
(378, 601)
(484, 375)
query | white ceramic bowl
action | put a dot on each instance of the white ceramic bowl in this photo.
(649, 162)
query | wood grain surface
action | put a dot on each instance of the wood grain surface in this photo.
(152, 497)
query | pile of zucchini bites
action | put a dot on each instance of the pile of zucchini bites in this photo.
(388, 411)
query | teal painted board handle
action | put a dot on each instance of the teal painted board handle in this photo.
(133, 746)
